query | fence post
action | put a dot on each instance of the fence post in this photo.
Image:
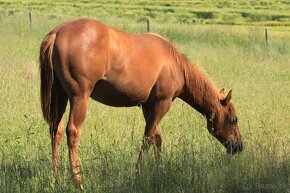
(266, 35)
(148, 25)
(30, 17)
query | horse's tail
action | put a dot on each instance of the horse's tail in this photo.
(47, 78)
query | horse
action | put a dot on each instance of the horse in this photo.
(84, 58)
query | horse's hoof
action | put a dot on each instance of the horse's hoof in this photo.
(138, 168)
(81, 187)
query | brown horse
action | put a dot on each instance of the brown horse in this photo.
(85, 58)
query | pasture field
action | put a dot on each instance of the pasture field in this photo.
(235, 57)
(266, 12)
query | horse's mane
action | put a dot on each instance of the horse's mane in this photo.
(201, 89)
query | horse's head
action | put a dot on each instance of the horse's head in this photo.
(223, 125)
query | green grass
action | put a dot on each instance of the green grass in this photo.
(235, 57)
(266, 12)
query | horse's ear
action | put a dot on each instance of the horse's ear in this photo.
(222, 93)
(227, 98)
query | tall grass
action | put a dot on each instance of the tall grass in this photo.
(234, 57)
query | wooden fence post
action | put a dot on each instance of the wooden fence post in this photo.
(148, 25)
(266, 35)
(30, 17)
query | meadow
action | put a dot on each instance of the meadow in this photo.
(234, 56)
(265, 12)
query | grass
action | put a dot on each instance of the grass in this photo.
(235, 57)
(266, 12)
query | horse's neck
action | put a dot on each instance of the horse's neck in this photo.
(199, 92)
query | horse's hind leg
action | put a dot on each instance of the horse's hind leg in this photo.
(153, 113)
(56, 128)
(79, 106)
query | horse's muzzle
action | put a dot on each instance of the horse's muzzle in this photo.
(234, 148)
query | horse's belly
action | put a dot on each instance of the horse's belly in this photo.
(109, 94)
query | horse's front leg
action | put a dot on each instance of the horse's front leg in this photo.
(153, 113)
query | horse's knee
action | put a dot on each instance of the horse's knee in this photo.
(153, 139)
(158, 140)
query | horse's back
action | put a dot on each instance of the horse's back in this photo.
(114, 67)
